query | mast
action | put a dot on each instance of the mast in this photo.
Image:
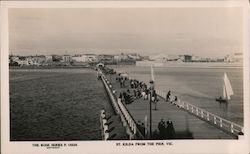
(150, 101)
(152, 74)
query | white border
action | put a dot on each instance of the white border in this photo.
(180, 146)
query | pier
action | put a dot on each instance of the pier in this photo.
(125, 117)
(190, 122)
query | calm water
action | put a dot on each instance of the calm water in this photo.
(198, 86)
(56, 104)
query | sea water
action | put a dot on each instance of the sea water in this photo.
(56, 104)
(199, 86)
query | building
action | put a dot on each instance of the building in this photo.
(106, 59)
(39, 59)
(85, 58)
(117, 58)
(92, 58)
(121, 57)
(187, 58)
(48, 58)
(172, 58)
(145, 58)
(23, 62)
(19, 61)
(66, 58)
(14, 58)
(56, 58)
(80, 58)
(235, 57)
(134, 56)
(32, 60)
(124, 57)
(238, 57)
(196, 59)
(159, 57)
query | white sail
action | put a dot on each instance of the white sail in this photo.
(152, 74)
(224, 92)
(228, 87)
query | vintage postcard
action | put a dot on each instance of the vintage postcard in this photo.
(124, 77)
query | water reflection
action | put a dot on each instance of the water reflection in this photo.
(224, 107)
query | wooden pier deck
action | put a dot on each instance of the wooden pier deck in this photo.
(186, 125)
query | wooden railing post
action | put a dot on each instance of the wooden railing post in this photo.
(241, 129)
(135, 130)
(208, 116)
(232, 128)
(221, 122)
(214, 119)
(202, 114)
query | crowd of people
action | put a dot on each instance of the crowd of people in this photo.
(139, 89)
(121, 80)
(166, 129)
(136, 89)
(169, 98)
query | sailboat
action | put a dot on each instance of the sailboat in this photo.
(227, 90)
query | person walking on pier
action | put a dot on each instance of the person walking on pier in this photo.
(168, 96)
(155, 96)
(120, 81)
(120, 95)
(175, 99)
(128, 91)
(138, 94)
(143, 94)
(169, 129)
(134, 93)
(132, 84)
(155, 100)
(146, 94)
(161, 127)
(172, 134)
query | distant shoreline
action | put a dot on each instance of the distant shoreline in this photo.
(143, 64)
(49, 67)
(190, 65)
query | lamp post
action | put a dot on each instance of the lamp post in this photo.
(110, 77)
(150, 107)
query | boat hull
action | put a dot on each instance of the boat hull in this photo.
(221, 100)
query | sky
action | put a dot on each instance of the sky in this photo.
(211, 32)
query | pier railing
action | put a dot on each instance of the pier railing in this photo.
(120, 109)
(222, 123)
